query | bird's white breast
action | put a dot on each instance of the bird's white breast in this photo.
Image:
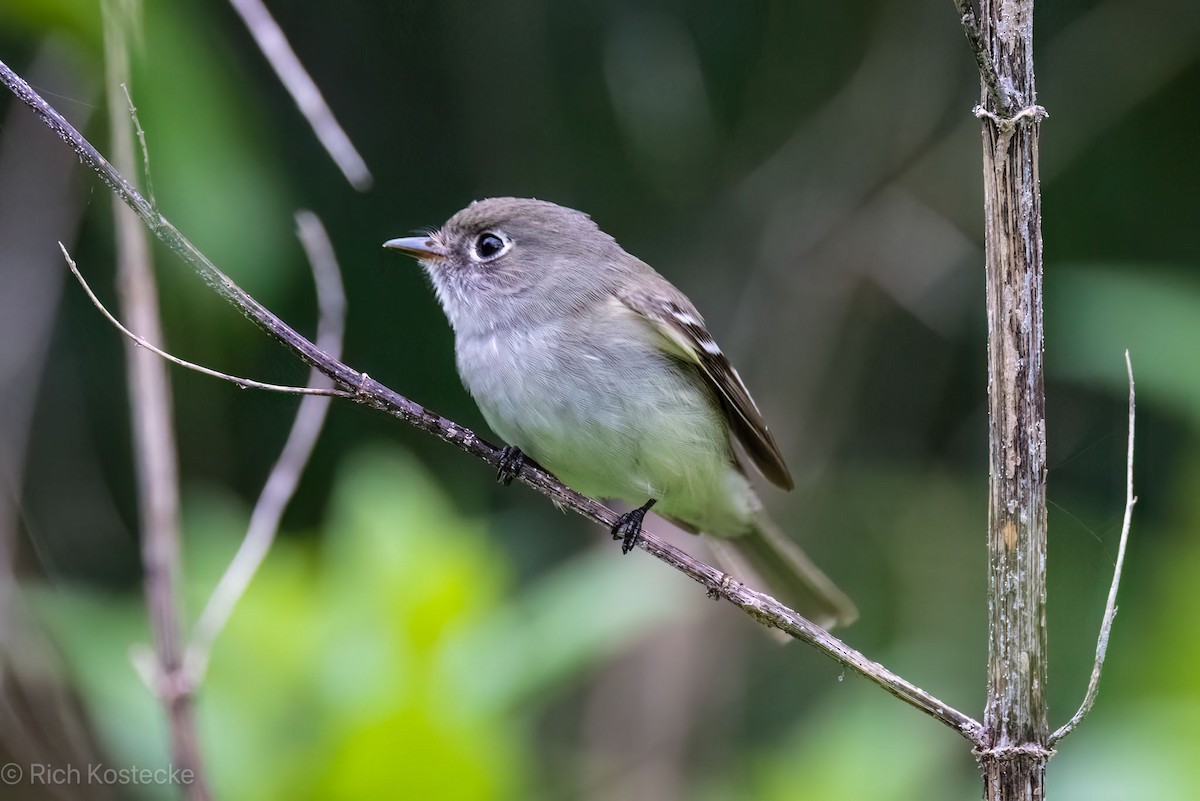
(594, 400)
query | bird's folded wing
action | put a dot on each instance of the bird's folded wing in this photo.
(682, 331)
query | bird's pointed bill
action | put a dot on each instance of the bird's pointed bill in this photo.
(423, 247)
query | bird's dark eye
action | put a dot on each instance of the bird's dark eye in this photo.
(488, 246)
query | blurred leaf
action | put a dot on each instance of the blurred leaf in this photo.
(403, 573)
(1147, 750)
(580, 614)
(320, 687)
(1157, 658)
(1094, 313)
(417, 751)
(80, 17)
(827, 755)
(388, 664)
(96, 633)
(211, 164)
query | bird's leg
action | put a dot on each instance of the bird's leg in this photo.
(509, 467)
(629, 526)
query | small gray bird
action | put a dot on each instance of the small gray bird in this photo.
(591, 363)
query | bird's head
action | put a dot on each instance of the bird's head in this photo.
(505, 257)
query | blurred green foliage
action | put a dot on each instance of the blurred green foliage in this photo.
(809, 174)
(390, 662)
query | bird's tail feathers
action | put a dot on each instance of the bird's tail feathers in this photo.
(767, 559)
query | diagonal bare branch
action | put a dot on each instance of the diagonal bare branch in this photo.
(285, 475)
(369, 392)
(1110, 608)
(983, 58)
(300, 85)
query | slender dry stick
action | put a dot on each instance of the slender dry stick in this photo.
(285, 475)
(153, 434)
(238, 381)
(369, 392)
(141, 135)
(1013, 761)
(1110, 608)
(300, 85)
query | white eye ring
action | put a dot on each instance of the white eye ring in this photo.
(489, 246)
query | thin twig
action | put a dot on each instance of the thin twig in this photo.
(371, 393)
(1110, 608)
(983, 57)
(155, 453)
(238, 381)
(300, 85)
(285, 476)
(141, 135)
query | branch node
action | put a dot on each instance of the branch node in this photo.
(168, 685)
(361, 390)
(721, 588)
(1007, 124)
(1006, 753)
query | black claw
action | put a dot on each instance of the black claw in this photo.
(629, 526)
(509, 467)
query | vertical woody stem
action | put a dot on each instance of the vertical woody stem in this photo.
(1014, 759)
(153, 432)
